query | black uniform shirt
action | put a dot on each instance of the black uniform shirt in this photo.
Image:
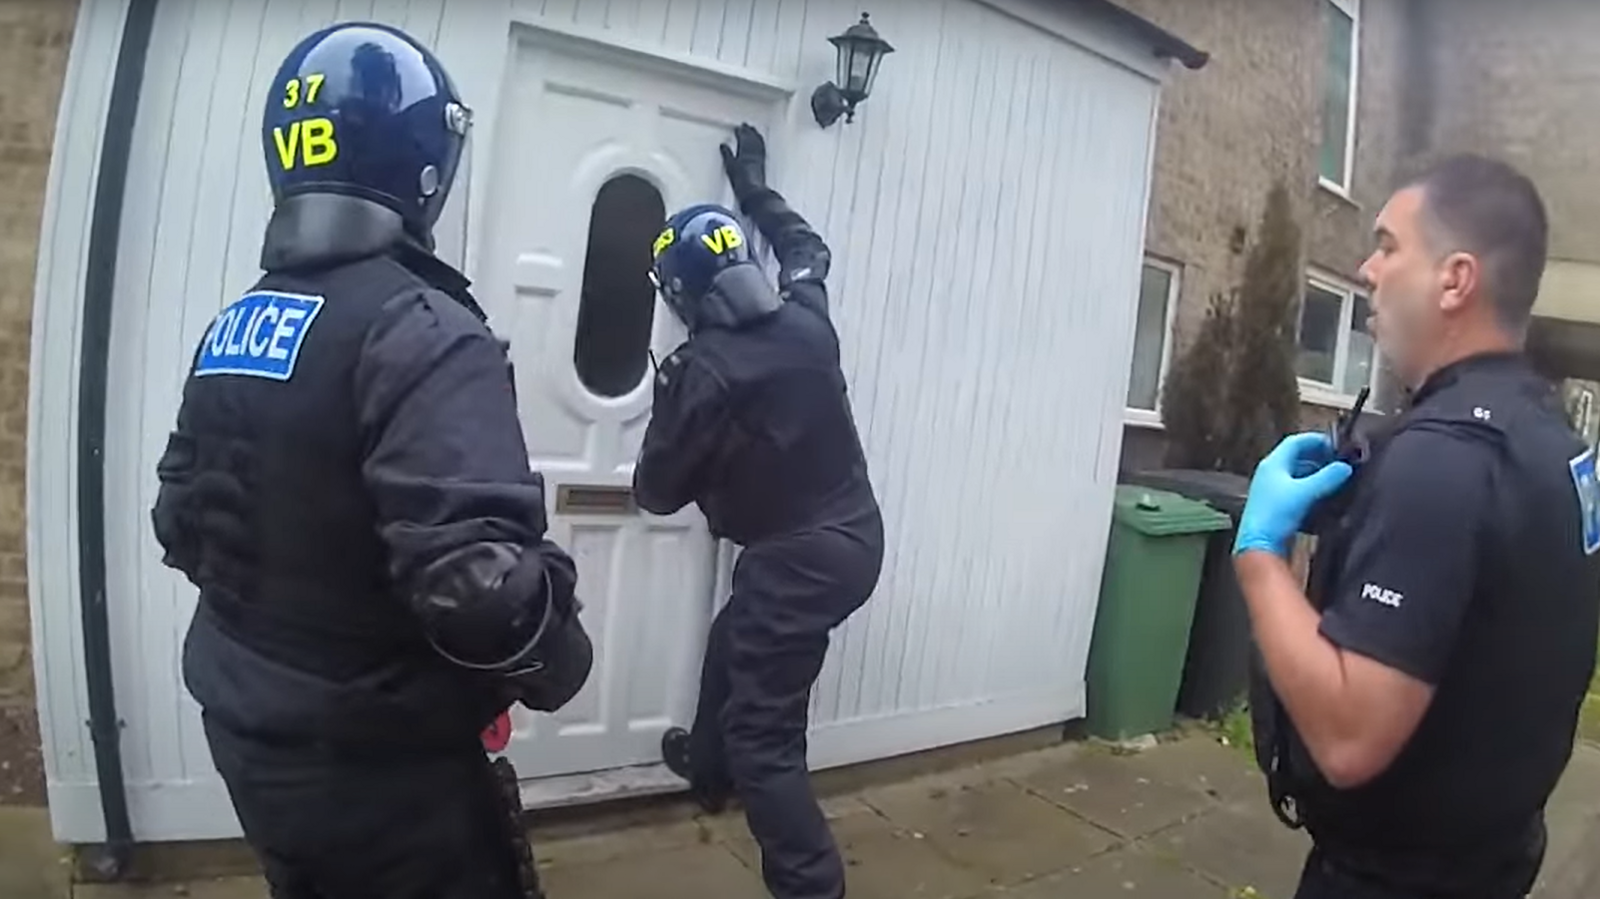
(1466, 559)
(751, 420)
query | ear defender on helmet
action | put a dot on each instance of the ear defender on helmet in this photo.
(696, 245)
(365, 110)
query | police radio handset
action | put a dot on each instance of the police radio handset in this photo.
(1347, 445)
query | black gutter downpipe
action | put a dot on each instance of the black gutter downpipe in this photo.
(105, 226)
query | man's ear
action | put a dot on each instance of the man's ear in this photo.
(1460, 279)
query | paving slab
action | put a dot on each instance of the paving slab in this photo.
(1224, 773)
(1019, 766)
(1117, 793)
(1238, 846)
(213, 888)
(623, 843)
(685, 872)
(882, 860)
(1576, 875)
(32, 866)
(1574, 804)
(1130, 873)
(995, 827)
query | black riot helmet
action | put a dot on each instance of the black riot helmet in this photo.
(706, 272)
(362, 109)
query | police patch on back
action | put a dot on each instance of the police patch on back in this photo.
(259, 336)
(1583, 479)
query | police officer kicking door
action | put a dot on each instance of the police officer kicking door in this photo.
(593, 149)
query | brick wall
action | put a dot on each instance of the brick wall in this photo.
(1227, 131)
(1253, 115)
(34, 40)
(1339, 231)
(1515, 80)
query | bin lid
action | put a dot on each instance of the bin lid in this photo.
(1157, 513)
(1222, 489)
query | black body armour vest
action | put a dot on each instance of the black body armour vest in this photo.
(1460, 807)
(790, 413)
(299, 635)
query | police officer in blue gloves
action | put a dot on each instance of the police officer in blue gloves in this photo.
(348, 487)
(752, 422)
(1421, 695)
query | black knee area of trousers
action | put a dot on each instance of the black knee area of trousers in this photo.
(327, 824)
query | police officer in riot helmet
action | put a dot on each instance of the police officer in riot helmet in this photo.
(348, 487)
(751, 421)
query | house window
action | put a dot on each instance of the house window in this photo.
(1158, 298)
(1339, 93)
(1335, 351)
(617, 307)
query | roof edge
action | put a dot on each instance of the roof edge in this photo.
(1165, 44)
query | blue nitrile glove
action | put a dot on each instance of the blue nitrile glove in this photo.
(1297, 473)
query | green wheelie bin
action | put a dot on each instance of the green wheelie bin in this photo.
(1147, 600)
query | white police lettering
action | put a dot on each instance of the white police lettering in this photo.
(1383, 595)
(1582, 467)
(259, 336)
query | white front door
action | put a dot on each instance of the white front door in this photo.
(593, 149)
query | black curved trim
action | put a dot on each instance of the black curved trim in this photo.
(105, 226)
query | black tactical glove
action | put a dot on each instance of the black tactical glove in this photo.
(747, 165)
(565, 659)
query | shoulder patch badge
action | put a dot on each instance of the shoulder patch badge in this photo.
(259, 336)
(1582, 467)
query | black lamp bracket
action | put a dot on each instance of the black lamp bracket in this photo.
(828, 104)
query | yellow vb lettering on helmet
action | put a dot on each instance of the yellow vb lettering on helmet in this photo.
(663, 241)
(723, 239)
(310, 141)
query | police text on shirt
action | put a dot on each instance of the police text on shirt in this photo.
(259, 336)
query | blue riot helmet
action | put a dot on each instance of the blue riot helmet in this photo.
(706, 272)
(363, 110)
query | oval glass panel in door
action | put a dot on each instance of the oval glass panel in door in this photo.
(612, 345)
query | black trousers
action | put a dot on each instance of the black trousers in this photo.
(1325, 877)
(764, 653)
(326, 826)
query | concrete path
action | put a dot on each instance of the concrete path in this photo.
(1185, 819)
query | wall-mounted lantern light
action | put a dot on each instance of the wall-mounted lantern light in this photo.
(860, 51)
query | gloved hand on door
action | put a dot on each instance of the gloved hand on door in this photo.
(745, 162)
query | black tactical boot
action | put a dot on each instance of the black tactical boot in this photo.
(675, 753)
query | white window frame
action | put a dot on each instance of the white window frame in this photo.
(1342, 188)
(1324, 393)
(1151, 418)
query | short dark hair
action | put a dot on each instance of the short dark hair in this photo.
(1474, 204)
